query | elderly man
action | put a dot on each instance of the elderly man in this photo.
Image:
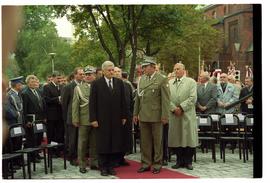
(206, 95)
(227, 94)
(33, 109)
(127, 131)
(80, 119)
(151, 109)
(183, 135)
(108, 114)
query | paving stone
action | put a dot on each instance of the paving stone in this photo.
(204, 167)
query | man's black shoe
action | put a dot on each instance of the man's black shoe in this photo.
(156, 170)
(177, 165)
(116, 165)
(94, 168)
(82, 170)
(73, 163)
(143, 169)
(103, 172)
(165, 163)
(111, 171)
(189, 167)
(124, 163)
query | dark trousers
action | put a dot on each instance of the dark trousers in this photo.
(184, 155)
(106, 161)
(32, 139)
(55, 132)
(165, 142)
(72, 142)
(119, 158)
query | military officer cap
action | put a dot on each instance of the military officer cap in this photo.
(17, 80)
(148, 61)
(89, 70)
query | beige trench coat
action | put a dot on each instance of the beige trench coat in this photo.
(183, 130)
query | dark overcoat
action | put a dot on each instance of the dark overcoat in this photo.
(108, 108)
(51, 96)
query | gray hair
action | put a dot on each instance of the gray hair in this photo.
(181, 65)
(29, 77)
(205, 75)
(107, 64)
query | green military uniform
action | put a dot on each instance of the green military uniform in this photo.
(87, 134)
(151, 105)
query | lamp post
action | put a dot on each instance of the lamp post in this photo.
(52, 57)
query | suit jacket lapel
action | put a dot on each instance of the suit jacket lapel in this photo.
(33, 97)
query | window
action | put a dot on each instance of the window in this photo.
(233, 32)
(214, 14)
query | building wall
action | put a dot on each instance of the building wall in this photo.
(236, 22)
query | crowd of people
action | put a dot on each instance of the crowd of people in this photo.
(94, 111)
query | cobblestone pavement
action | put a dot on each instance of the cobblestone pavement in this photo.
(204, 167)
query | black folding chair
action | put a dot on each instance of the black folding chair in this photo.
(230, 132)
(39, 128)
(17, 130)
(205, 133)
(249, 121)
(7, 160)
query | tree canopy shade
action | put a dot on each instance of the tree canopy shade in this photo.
(36, 39)
(169, 32)
(123, 34)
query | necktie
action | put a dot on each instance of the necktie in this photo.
(203, 87)
(110, 85)
(223, 85)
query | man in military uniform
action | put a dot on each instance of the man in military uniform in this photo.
(14, 113)
(151, 109)
(80, 119)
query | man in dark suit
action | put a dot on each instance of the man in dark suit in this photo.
(33, 109)
(71, 132)
(55, 124)
(206, 95)
(108, 114)
(127, 133)
(247, 105)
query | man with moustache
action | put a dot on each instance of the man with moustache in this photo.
(151, 110)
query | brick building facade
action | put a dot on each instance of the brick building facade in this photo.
(236, 22)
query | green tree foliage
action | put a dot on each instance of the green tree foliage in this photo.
(171, 33)
(36, 39)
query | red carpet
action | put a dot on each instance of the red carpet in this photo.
(130, 172)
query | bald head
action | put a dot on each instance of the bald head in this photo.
(179, 70)
(117, 72)
(204, 77)
(224, 78)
